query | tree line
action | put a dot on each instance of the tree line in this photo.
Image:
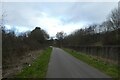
(106, 33)
(13, 47)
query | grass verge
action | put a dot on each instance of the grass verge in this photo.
(109, 69)
(39, 67)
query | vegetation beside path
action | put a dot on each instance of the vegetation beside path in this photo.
(39, 67)
(109, 69)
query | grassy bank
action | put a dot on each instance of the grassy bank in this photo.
(109, 69)
(38, 68)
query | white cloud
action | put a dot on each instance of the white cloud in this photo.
(55, 17)
(8, 26)
(22, 29)
(18, 29)
(53, 24)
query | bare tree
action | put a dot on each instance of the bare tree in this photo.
(114, 19)
(60, 36)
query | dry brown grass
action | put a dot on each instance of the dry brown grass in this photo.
(19, 63)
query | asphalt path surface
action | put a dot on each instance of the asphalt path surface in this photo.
(64, 65)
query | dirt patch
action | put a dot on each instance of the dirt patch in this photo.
(25, 60)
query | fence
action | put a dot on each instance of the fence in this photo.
(107, 53)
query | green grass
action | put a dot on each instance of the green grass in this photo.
(39, 67)
(109, 69)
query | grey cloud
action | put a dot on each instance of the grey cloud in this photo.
(91, 12)
(21, 13)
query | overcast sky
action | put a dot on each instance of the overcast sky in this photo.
(55, 16)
